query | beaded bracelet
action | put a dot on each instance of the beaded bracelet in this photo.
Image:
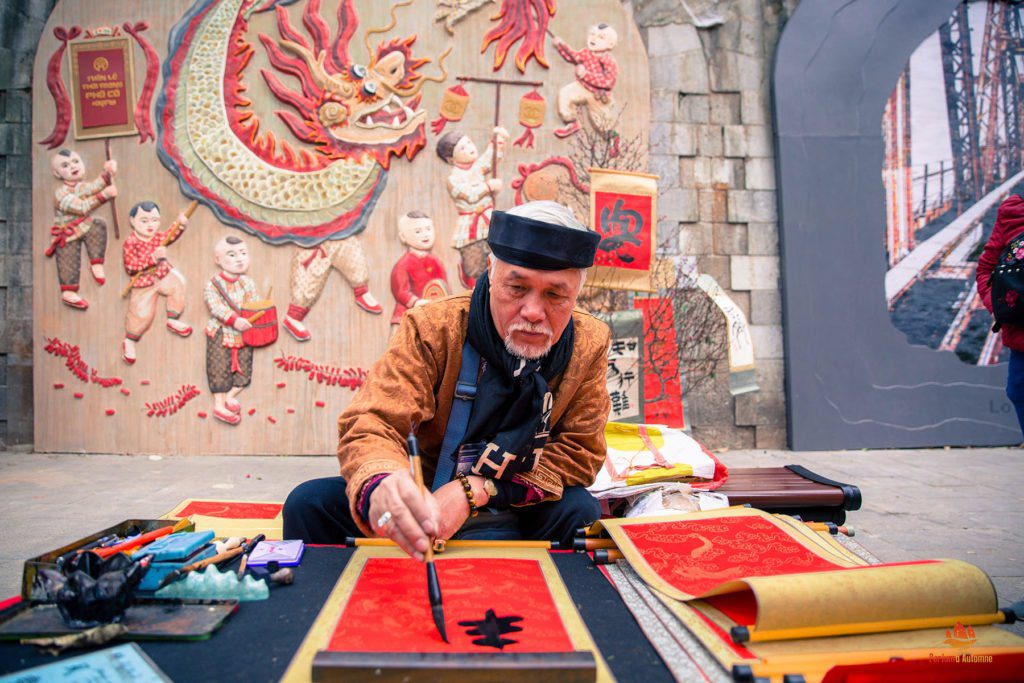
(473, 510)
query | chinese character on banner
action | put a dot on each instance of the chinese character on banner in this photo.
(624, 372)
(622, 380)
(623, 211)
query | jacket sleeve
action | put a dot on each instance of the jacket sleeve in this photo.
(568, 54)
(987, 263)
(1009, 224)
(577, 449)
(397, 393)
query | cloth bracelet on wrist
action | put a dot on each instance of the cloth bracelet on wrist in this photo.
(363, 502)
(473, 510)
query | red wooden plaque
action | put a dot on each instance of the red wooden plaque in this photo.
(103, 87)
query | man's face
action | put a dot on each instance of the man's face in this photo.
(145, 223)
(233, 259)
(416, 233)
(465, 151)
(531, 308)
(68, 168)
(601, 39)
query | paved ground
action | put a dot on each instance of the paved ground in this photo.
(951, 503)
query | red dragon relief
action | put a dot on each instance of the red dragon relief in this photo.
(352, 118)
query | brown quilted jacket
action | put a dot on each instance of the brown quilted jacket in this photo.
(414, 383)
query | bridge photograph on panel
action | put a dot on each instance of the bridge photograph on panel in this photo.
(952, 131)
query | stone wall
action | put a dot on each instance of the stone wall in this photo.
(712, 145)
(21, 24)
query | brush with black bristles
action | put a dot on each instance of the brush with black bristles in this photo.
(433, 587)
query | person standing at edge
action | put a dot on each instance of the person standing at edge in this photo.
(1009, 224)
(533, 438)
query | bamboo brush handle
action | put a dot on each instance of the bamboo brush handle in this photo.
(417, 475)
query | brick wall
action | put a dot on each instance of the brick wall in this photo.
(712, 145)
(21, 24)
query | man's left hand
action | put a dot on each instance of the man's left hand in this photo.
(454, 505)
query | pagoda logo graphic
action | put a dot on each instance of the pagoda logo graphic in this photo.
(960, 637)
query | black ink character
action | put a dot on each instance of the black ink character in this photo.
(620, 227)
(491, 628)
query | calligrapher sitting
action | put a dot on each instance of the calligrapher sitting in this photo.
(530, 441)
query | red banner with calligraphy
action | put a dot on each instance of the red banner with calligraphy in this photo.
(623, 211)
(103, 87)
(663, 390)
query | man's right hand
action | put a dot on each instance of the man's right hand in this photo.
(414, 516)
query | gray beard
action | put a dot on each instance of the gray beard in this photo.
(524, 352)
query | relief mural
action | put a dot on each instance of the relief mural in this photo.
(278, 168)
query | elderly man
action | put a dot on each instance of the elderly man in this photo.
(505, 389)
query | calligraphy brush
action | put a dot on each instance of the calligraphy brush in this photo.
(433, 587)
(249, 547)
(216, 559)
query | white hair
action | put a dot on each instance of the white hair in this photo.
(549, 212)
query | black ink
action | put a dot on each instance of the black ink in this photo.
(492, 627)
(620, 227)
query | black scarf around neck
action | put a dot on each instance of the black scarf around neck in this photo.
(512, 411)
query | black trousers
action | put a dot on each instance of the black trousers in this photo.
(317, 511)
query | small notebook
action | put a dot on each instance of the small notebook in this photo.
(285, 553)
(120, 664)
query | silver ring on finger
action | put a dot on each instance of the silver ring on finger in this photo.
(383, 520)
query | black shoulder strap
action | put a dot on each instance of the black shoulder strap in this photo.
(458, 420)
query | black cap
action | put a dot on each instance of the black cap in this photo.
(536, 244)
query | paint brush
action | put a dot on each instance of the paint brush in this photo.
(249, 547)
(433, 587)
(201, 564)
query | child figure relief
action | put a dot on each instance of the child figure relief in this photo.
(152, 276)
(228, 358)
(596, 71)
(73, 225)
(310, 271)
(418, 276)
(473, 193)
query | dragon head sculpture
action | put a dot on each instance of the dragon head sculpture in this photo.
(346, 108)
(350, 116)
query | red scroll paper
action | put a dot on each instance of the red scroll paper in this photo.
(388, 610)
(380, 605)
(692, 555)
(623, 210)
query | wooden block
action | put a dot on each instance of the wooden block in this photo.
(537, 667)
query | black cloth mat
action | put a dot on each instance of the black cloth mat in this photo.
(258, 642)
